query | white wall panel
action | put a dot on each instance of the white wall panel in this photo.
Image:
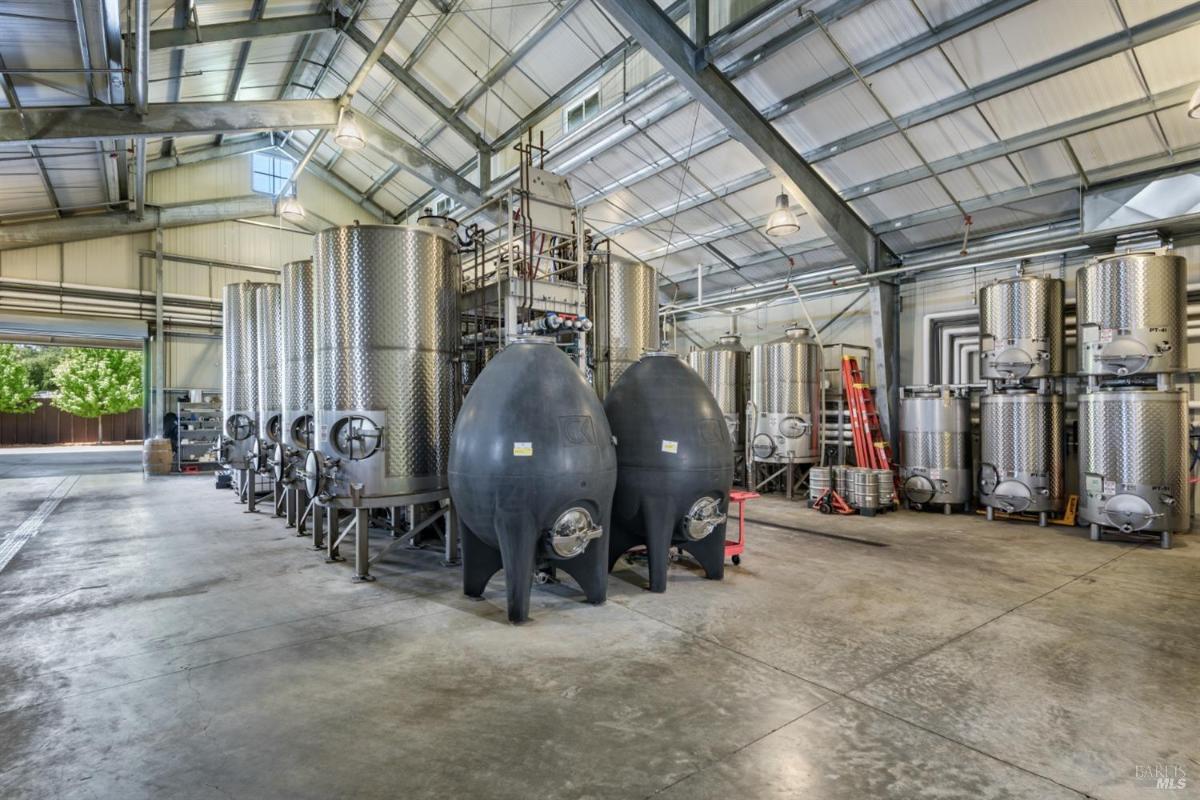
(193, 363)
(32, 263)
(226, 177)
(110, 262)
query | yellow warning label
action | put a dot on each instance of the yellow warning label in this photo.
(522, 448)
(670, 447)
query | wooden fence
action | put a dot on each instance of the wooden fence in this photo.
(49, 425)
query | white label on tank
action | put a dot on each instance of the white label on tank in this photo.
(522, 448)
(670, 447)
(1095, 484)
(1110, 487)
(935, 474)
(1107, 334)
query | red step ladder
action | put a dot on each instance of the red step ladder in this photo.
(871, 449)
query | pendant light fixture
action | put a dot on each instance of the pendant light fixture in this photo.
(290, 209)
(782, 221)
(349, 135)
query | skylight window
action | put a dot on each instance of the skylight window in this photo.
(270, 172)
(581, 111)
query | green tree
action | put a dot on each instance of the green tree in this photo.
(93, 382)
(41, 362)
(16, 389)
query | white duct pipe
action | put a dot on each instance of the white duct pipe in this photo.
(927, 336)
(946, 351)
(964, 362)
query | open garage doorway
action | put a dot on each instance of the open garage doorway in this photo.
(72, 395)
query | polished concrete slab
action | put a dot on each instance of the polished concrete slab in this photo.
(158, 642)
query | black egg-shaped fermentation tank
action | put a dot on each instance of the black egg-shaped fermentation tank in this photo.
(674, 466)
(532, 472)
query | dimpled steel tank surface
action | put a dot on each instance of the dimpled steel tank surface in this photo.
(1133, 460)
(935, 446)
(386, 389)
(269, 353)
(624, 297)
(296, 280)
(1132, 315)
(674, 466)
(1021, 328)
(785, 395)
(725, 369)
(532, 472)
(239, 373)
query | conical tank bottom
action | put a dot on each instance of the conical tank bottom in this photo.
(675, 466)
(532, 473)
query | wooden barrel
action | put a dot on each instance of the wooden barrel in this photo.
(156, 456)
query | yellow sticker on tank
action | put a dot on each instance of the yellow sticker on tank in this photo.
(670, 447)
(522, 448)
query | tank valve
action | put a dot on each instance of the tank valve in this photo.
(702, 519)
(571, 532)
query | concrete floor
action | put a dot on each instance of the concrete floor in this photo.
(39, 462)
(156, 642)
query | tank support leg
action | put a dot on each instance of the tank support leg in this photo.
(710, 553)
(991, 513)
(480, 563)
(333, 524)
(251, 492)
(302, 511)
(658, 530)
(362, 545)
(450, 543)
(317, 520)
(1043, 518)
(1094, 531)
(518, 545)
(295, 509)
(589, 569)
(278, 496)
(239, 482)
(1165, 542)
(619, 542)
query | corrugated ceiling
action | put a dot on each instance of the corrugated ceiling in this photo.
(678, 182)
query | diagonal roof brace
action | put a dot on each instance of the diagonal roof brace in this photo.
(170, 38)
(418, 163)
(410, 82)
(663, 39)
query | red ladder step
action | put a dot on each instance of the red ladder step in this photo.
(871, 449)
